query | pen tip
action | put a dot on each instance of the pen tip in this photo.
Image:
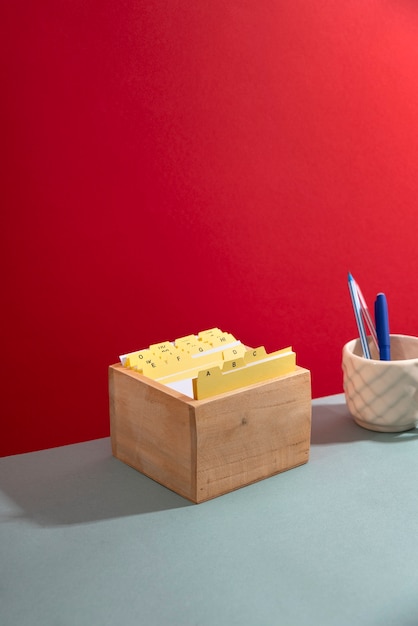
(350, 277)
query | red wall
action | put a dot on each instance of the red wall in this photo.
(172, 166)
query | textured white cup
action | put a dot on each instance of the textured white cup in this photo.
(382, 395)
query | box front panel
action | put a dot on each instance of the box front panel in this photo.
(251, 434)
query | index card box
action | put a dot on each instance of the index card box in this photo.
(205, 448)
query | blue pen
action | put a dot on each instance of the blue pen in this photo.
(382, 326)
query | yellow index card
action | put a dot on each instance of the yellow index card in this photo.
(259, 354)
(189, 367)
(242, 372)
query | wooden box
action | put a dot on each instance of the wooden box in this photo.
(205, 448)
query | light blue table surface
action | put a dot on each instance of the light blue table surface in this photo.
(85, 540)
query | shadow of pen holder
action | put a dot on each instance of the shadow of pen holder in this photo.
(382, 395)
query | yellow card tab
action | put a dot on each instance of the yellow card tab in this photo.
(163, 347)
(207, 383)
(181, 341)
(234, 353)
(204, 334)
(233, 364)
(255, 354)
(220, 339)
(136, 360)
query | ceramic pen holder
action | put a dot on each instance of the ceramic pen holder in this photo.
(382, 395)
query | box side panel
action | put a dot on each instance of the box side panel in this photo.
(254, 433)
(152, 431)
